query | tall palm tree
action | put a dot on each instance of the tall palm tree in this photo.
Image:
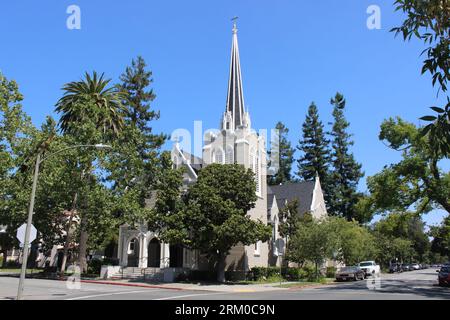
(89, 101)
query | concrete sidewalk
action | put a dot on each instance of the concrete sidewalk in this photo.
(196, 286)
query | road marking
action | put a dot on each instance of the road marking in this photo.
(191, 295)
(106, 294)
(244, 290)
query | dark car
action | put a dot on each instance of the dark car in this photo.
(405, 267)
(395, 267)
(350, 273)
(444, 275)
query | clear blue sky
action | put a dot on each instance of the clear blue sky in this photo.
(292, 53)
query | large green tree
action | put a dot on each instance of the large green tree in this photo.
(441, 238)
(346, 172)
(406, 226)
(16, 130)
(285, 153)
(134, 163)
(312, 242)
(429, 21)
(355, 242)
(315, 153)
(213, 216)
(91, 113)
(417, 179)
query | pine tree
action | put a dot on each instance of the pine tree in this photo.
(346, 172)
(135, 82)
(285, 154)
(314, 148)
(134, 165)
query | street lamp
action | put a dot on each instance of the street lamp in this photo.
(31, 208)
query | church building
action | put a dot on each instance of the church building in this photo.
(234, 142)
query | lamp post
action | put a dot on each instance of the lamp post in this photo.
(31, 209)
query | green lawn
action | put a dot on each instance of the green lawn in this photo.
(18, 270)
(306, 283)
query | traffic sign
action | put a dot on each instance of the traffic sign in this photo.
(21, 233)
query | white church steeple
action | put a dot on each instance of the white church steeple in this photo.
(235, 116)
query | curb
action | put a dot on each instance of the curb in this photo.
(108, 283)
(312, 286)
(132, 285)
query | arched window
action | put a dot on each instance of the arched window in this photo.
(255, 166)
(229, 156)
(258, 175)
(218, 158)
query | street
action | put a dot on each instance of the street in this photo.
(415, 285)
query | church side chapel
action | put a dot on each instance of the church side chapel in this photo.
(141, 252)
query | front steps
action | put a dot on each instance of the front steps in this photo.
(139, 274)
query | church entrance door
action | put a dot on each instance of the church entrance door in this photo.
(133, 253)
(154, 253)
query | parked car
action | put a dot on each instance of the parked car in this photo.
(395, 267)
(370, 268)
(415, 266)
(405, 267)
(350, 273)
(444, 275)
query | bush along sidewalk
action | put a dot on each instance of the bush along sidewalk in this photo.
(304, 274)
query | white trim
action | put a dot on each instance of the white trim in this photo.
(242, 140)
(257, 250)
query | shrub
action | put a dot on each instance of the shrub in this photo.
(201, 275)
(258, 273)
(235, 275)
(310, 273)
(182, 277)
(110, 261)
(13, 264)
(273, 272)
(331, 272)
(94, 266)
(264, 273)
(293, 274)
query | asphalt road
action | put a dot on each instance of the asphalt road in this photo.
(415, 285)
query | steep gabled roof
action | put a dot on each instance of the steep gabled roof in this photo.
(195, 162)
(302, 191)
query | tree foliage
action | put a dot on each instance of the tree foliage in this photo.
(416, 180)
(312, 242)
(90, 113)
(345, 172)
(133, 165)
(401, 237)
(355, 242)
(441, 238)
(213, 217)
(315, 152)
(285, 154)
(429, 21)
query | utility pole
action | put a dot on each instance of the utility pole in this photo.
(26, 244)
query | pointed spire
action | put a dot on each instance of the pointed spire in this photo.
(235, 98)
